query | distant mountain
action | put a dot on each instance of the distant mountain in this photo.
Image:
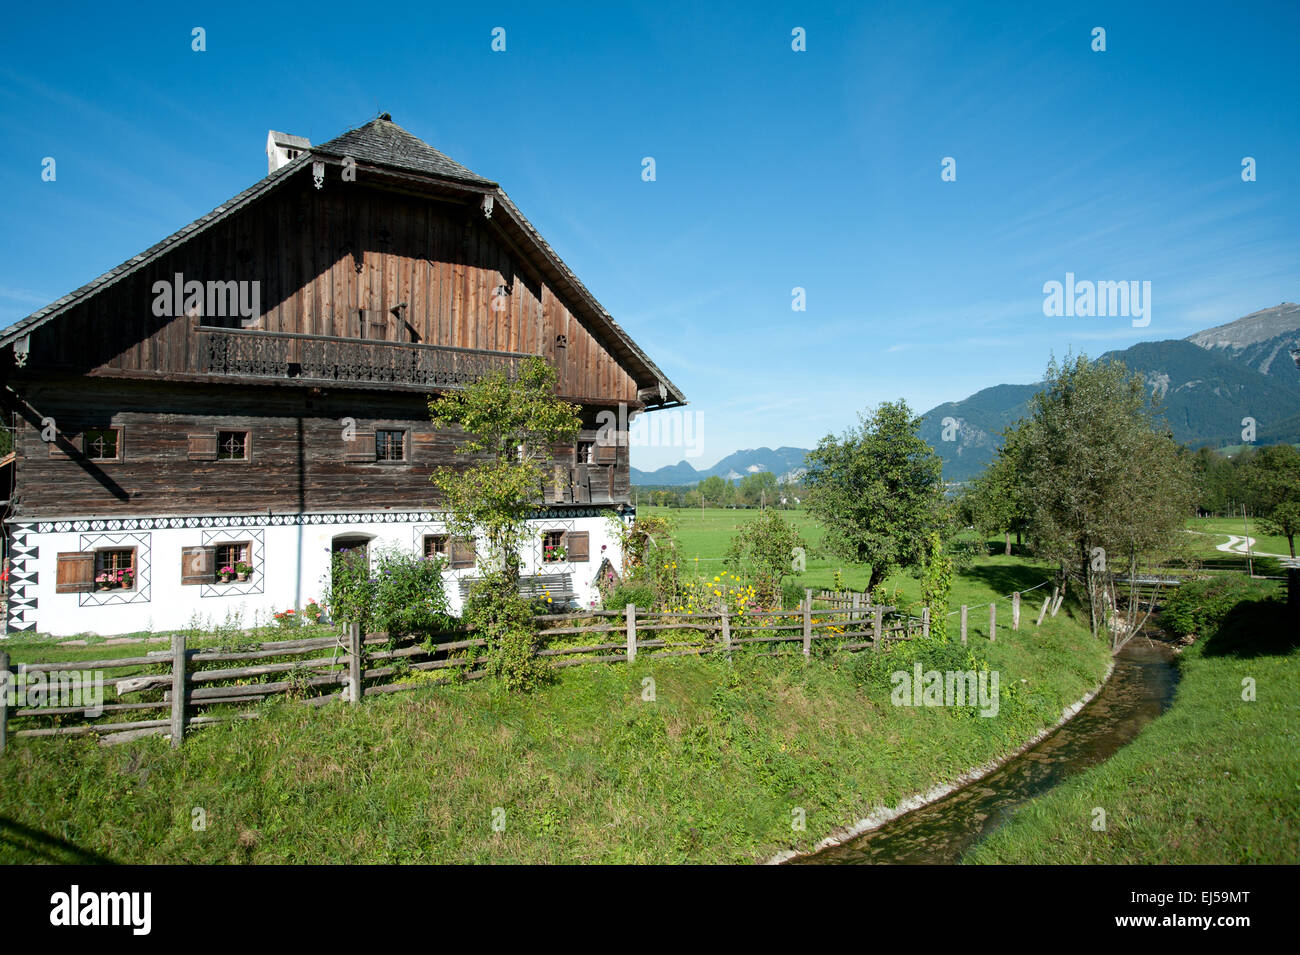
(783, 462)
(1268, 341)
(967, 433)
(1207, 384)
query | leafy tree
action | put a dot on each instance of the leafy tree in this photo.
(877, 490)
(763, 550)
(996, 498)
(713, 490)
(1217, 482)
(1273, 480)
(509, 427)
(1103, 487)
(758, 488)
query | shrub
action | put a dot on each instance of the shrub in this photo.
(936, 586)
(410, 596)
(1198, 607)
(352, 589)
(763, 550)
(791, 594)
(632, 592)
(497, 612)
(404, 593)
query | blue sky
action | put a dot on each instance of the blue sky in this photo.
(775, 169)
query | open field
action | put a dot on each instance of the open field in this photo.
(1224, 526)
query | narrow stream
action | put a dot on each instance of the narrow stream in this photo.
(1140, 689)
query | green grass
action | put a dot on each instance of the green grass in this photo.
(1213, 780)
(703, 535)
(1221, 527)
(585, 769)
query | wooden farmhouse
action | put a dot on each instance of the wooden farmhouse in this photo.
(254, 390)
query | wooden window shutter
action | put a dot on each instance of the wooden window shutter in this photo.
(64, 445)
(198, 565)
(76, 573)
(559, 482)
(606, 454)
(203, 447)
(577, 545)
(462, 553)
(581, 485)
(361, 447)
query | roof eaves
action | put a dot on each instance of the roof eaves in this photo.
(585, 294)
(25, 326)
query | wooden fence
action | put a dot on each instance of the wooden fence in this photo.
(166, 691)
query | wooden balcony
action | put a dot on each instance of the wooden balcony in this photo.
(584, 484)
(344, 362)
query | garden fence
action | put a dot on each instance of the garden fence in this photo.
(164, 692)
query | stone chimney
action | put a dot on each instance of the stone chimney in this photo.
(282, 149)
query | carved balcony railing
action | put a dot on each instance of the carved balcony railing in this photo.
(348, 362)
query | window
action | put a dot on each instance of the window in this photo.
(102, 444)
(390, 445)
(435, 545)
(232, 555)
(115, 568)
(462, 554)
(232, 445)
(553, 551)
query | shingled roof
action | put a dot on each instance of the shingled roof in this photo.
(382, 143)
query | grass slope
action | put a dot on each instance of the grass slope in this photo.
(585, 770)
(1215, 780)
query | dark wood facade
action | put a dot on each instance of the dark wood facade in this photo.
(372, 295)
(350, 264)
(298, 456)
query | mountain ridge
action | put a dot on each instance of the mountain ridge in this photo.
(1206, 383)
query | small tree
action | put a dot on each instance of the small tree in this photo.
(510, 426)
(936, 585)
(1273, 480)
(877, 490)
(996, 497)
(758, 488)
(763, 550)
(1103, 486)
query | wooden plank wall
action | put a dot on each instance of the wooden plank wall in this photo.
(321, 256)
(298, 454)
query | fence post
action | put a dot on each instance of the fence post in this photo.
(993, 621)
(726, 633)
(1056, 604)
(855, 606)
(630, 614)
(807, 622)
(878, 628)
(1047, 602)
(354, 663)
(4, 699)
(925, 622)
(178, 689)
(963, 624)
(1015, 611)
